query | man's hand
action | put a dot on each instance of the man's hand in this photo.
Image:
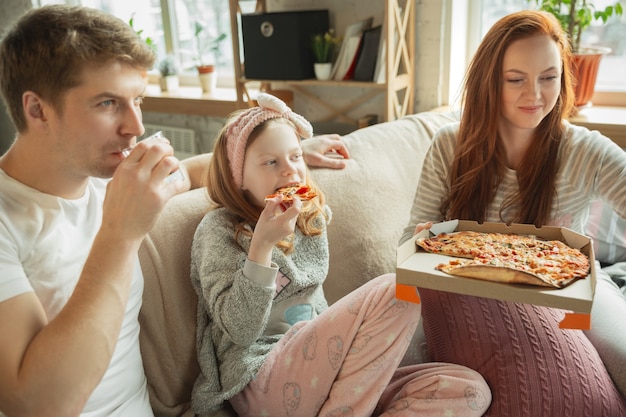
(139, 190)
(325, 151)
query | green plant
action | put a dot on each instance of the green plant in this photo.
(167, 66)
(205, 43)
(323, 45)
(148, 40)
(576, 15)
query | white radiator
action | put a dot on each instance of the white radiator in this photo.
(183, 140)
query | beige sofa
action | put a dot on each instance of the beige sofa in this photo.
(370, 200)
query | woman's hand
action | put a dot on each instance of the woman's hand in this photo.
(422, 226)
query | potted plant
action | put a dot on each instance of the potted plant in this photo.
(169, 74)
(148, 40)
(575, 17)
(206, 45)
(323, 46)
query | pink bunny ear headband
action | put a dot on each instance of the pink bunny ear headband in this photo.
(239, 131)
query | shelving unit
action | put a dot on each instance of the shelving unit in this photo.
(398, 88)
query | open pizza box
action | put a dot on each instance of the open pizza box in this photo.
(416, 268)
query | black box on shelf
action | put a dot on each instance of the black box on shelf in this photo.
(277, 45)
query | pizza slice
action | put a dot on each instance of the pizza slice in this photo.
(508, 258)
(463, 244)
(303, 191)
(506, 272)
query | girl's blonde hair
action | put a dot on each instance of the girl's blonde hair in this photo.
(480, 161)
(224, 193)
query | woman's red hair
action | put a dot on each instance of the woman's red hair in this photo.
(479, 162)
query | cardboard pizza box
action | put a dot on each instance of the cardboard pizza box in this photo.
(416, 268)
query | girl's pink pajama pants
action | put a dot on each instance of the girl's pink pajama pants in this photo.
(345, 363)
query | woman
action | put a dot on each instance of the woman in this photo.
(514, 159)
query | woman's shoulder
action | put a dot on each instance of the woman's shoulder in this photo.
(447, 134)
(579, 143)
(448, 129)
(576, 135)
(444, 141)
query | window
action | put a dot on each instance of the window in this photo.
(481, 14)
(611, 83)
(171, 26)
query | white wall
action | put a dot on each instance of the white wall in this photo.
(431, 75)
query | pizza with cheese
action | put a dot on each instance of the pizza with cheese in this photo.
(303, 191)
(510, 258)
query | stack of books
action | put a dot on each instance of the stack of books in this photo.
(361, 55)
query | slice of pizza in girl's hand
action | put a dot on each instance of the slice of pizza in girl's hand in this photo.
(508, 257)
(302, 191)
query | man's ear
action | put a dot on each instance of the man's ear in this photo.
(35, 109)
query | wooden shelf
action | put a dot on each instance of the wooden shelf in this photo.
(398, 89)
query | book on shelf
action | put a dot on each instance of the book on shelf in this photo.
(368, 55)
(380, 71)
(349, 48)
(349, 75)
(345, 63)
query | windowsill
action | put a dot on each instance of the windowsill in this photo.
(191, 101)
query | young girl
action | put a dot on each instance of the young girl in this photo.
(267, 341)
(514, 159)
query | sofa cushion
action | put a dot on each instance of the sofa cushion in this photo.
(370, 199)
(533, 367)
(168, 315)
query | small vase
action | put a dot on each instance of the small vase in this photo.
(169, 83)
(208, 78)
(322, 70)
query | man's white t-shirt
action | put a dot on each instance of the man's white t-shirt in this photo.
(44, 242)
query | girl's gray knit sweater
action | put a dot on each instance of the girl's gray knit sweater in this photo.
(244, 308)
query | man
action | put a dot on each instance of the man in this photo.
(70, 287)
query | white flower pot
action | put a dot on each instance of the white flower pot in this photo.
(169, 83)
(322, 70)
(208, 78)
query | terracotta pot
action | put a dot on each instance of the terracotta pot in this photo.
(208, 77)
(205, 69)
(585, 67)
